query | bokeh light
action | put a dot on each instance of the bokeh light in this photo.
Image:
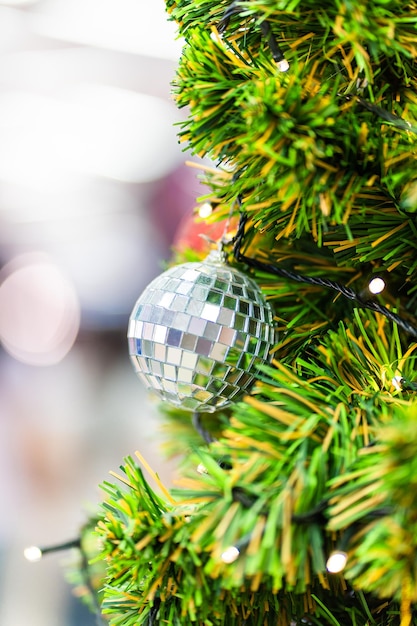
(336, 562)
(39, 311)
(376, 285)
(230, 555)
(32, 554)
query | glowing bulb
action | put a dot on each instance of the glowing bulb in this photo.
(336, 562)
(230, 554)
(205, 210)
(396, 382)
(283, 65)
(376, 285)
(32, 554)
(202, 469)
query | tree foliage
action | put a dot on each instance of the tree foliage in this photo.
(321, 456)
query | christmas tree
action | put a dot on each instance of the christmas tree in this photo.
(298, 501)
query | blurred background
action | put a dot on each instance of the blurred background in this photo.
(93, 191)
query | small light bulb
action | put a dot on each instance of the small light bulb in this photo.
(336, 562)
(376, 285)
(202, 469)
(205, 210)
(283, 65)
(230, 554)
(396, 382)
(33, 554)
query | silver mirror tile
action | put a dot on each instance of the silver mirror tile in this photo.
(198, 333)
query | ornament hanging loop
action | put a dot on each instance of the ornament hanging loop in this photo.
(199, 333)
(240, 233)
(218, 253)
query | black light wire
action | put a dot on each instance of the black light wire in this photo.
(199, 428)
(311, 280)
(235, 8)
(84, 570)
(319, 513)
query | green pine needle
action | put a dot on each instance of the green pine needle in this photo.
(321, 454)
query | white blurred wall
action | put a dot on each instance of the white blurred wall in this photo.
(92, 183)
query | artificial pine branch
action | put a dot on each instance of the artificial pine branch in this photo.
(321, 455)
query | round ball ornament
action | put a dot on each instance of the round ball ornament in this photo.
(198, 333)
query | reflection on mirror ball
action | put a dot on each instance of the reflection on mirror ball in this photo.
(198, 333)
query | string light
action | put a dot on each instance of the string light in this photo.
(397, 382)
(376, 285)
(265, 27)
(276, 51)
(230, 554)
(205, 210)
(33, 554)
(336, 562)
(202, 469)
(283, 65)
(347, 292)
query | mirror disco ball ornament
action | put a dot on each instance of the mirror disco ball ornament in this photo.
(198, 332)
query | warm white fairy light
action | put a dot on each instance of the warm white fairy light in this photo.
(283, 65)
(336, 562)
(230, 554)
(32, 554)
(396, 382)
(202, 469)
(205, 210)
(376, 285)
